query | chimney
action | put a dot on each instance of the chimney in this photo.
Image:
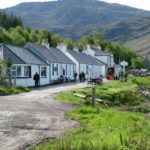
(45, 43)
(62, 47)
(99, 47)
(76, 49)
(88, 46)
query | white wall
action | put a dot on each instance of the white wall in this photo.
(104, 71)
(45, 80)
(94, 71)
(29, 81)
(88, 51)
(69, 73)
(63, 48)
(55, 76)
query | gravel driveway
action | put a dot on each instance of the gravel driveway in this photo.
(28, 118)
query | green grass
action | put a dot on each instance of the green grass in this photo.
(13, 90)
(142, 81)
(104, 128)
(68, 97)
(120, 93)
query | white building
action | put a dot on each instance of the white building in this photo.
(25, 65)
(84, 63)
(106, 58)
(59, 63)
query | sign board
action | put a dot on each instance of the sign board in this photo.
(124, 63)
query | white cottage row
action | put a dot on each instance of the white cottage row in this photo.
(49, 63)
(84, 63)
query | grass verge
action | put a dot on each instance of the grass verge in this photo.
(13, 90)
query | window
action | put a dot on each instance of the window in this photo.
(69, 69)
(27, 71)
(57, 69)
(16, 71)
(66, 70)
(43, 71)
(87, 69)
(53, 69)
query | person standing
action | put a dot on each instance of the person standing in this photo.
(80, 77)
(83, 76)
(75, 76)
(36, 78)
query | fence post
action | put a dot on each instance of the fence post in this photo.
(93, 96)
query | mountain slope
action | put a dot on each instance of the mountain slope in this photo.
(75, 18)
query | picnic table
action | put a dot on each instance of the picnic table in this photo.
(96, 81)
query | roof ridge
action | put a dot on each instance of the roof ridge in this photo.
(37, 53)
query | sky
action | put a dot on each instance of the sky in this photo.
(142, 4)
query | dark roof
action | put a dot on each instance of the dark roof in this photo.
(51, 54)
(98, 51)
(84, 58)
(22, 55)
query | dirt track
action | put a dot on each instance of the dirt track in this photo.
(31, 117)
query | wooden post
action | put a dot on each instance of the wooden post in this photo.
(93, 96)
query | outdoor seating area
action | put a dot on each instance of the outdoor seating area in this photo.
(96, 81)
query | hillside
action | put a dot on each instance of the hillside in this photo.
(75, 18)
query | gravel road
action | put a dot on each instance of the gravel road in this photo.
(28, 118)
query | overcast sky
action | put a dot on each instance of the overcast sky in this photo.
(143, 4)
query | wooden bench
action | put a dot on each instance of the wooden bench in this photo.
(99, 100)
(79, 95)
(97, 81)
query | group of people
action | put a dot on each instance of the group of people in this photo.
(82, 77)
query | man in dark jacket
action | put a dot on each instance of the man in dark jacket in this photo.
(83, 76)
(80, 77)
(75, 76)
(36, 78)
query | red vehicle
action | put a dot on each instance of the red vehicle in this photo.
(110, 73)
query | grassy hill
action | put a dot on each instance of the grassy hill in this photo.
(75, 18)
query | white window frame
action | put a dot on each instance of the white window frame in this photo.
(15, 69)
(29, 71)
(44, 68)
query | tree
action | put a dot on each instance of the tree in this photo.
(42, 34)
(55, 40)
(83, 41)
(138, 63)
(33, 36)
(3, 66)
(9, 65)
(7, 21)
(147, 63)
(98, 38)
(69, 43)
